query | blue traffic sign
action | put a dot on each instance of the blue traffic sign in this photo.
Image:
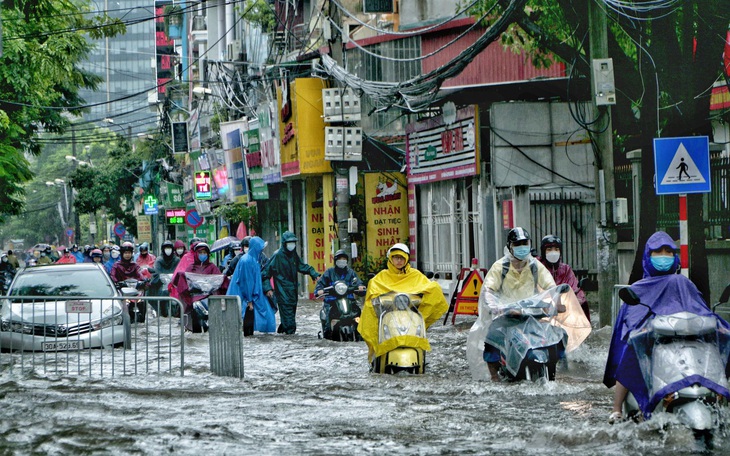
(682, 165)
(119, 229)
(193, 218)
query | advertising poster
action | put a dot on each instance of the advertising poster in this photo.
(144, 228)
(315, 225)
(270, 157)
(386, 209)
(259, 190)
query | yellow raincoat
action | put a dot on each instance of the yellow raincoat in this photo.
(432, 307)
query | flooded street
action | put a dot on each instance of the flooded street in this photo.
(303, 395)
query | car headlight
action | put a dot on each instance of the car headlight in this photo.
(16, 326)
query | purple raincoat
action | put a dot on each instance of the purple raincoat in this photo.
(665, 293)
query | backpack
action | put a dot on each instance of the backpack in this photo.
(533, 269)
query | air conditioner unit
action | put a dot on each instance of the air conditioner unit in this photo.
(235, 51)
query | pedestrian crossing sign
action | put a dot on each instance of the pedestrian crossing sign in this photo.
(682, 165)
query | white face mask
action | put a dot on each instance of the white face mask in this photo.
(552, 257)
(291, 246)
(168, 252)
(115, 254)
(342, 264)
(180, 251)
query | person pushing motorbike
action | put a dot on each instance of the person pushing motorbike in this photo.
(339, 272)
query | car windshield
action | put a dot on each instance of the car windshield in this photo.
(90, 283)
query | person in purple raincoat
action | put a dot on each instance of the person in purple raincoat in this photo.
(665, 292)
(551, 256)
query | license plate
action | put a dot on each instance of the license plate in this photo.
(63, 346)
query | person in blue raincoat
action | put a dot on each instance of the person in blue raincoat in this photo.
(247, 284)
(284, 266)
(665, 292)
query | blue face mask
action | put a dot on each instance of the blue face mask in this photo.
(521, 251)
(202, 257)
(662, 263)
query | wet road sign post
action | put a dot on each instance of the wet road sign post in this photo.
(682, 166)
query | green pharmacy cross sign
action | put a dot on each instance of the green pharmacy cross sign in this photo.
(150, 205)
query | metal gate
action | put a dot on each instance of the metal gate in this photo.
(568, 214)
(68, 336)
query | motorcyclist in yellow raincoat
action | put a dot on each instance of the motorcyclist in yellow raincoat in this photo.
(401, 277)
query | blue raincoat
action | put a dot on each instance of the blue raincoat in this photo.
(666, 293)
(246, 283)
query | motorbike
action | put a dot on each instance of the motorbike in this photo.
(531, 334)
(134, 288)
(6, 278)
(671, 349)
(200, 286)
(344, 313)
(401, 325)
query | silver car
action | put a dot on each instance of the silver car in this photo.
(46, 309)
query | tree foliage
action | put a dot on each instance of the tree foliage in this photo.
(666, 57)
(43, 43)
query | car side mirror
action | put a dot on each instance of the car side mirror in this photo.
(628, 296)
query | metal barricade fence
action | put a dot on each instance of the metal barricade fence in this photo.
(226, 337)
(615, 302)
(94, 336)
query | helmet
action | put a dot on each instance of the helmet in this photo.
(106, 247)
(517, 234)
(144, 246)
(399, 246)
(245, 241)
(550, 241)
(127, 247)
(195, 240)
(341, 253)
(74, 246)
(115, 247)
(202, 245)
(96, 253)
(166, 244)
(236, 245)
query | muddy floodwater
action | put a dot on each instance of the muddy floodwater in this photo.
(303, 395)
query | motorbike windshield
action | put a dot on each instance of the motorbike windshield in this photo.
(204, 283)
(673, 348)
(538, 320)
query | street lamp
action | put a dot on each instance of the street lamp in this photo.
(125, 134)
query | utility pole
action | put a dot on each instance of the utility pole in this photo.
(606, 248)
(341, 172)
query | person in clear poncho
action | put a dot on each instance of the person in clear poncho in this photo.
(665, 292)
(400, 276)
(517, 275)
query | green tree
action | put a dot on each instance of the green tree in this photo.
(666, 57)
(43, 42)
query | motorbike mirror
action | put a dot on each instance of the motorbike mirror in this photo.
(628, 296)
(725, 297)
(429, 275)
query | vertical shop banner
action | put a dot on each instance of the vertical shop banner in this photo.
(330, 222)
(386, 209)
(259, 190)
(144, 228)
(270, 158)
(174, 196)
(164, 48)
(236, 173)
(309, 114)
(289, 156)
(315, 224)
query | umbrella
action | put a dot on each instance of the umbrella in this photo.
(222, 243)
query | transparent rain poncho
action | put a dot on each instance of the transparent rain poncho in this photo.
(204, 283)
(544, 326)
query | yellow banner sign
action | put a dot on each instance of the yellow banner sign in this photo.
(386, 208)
(144, 228)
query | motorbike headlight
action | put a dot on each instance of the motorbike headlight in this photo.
(386, 332)
(341, 288)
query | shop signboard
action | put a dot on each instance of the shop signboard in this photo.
(315, 224)
(175, 216)
(259, 190)
(203, 189)
(270, 156)
(144, 228)
(440, 151)
(232, 145)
